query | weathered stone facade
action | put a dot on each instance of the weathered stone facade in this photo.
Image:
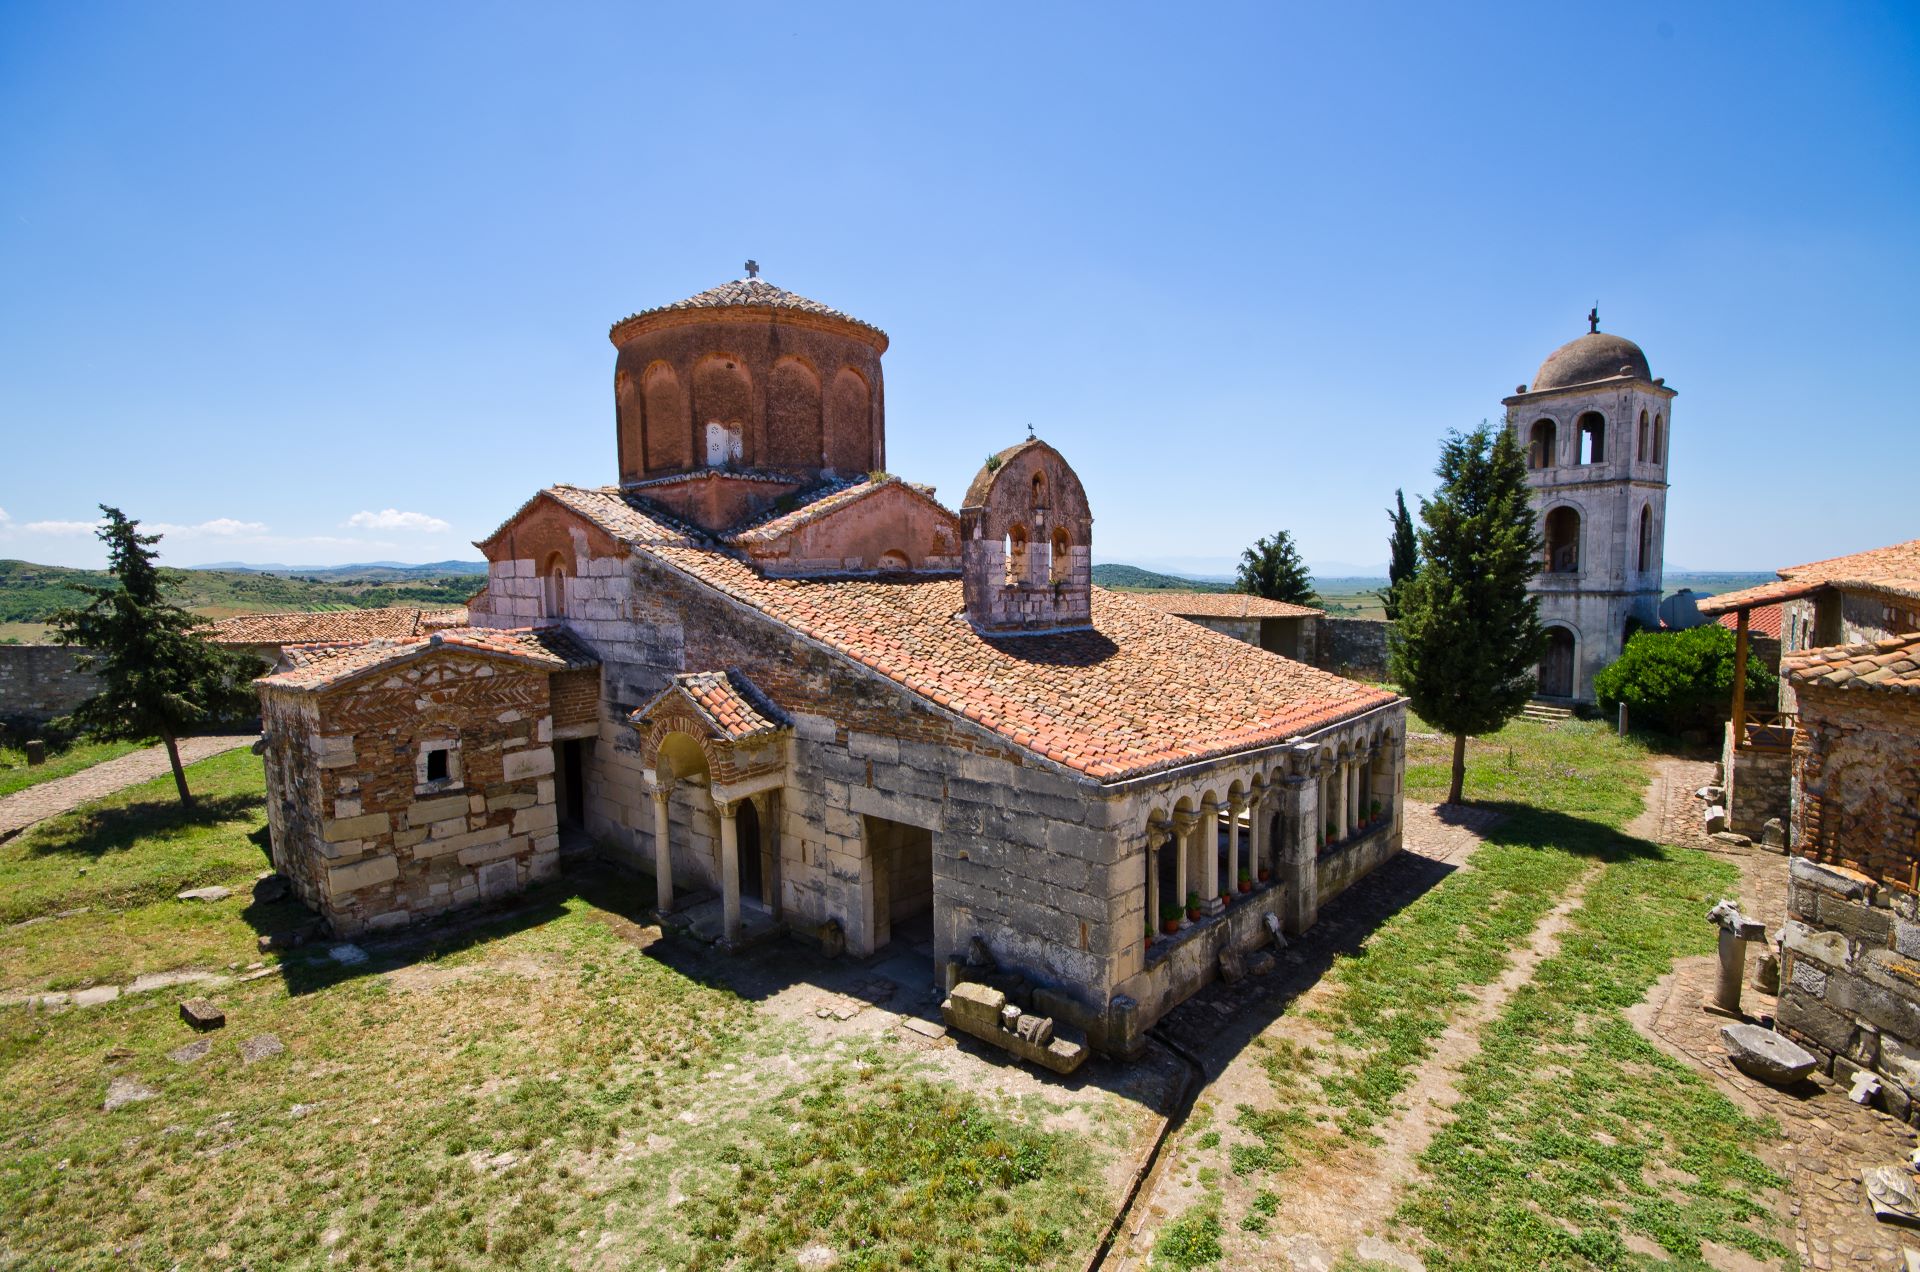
(375, 832)
(1596, 428)
(1352, 647)
(40, 682)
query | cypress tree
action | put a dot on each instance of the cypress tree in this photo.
(1403, 559)
(1272, 568)
(160, 676)
(1468, 642)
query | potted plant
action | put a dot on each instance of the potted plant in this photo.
(1246, 879)
(1376, 810)
(1170, 913)
(1265, 874)
(1226, 898)
(1333, 833)
(1193, 906)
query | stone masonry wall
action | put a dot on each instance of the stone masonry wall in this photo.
(38, 682)
(1355, 647)
(371, 843)
(1849, 979)
(1758, 785)
(1856, 780)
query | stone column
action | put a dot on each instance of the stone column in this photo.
(1234, 809)
(1153, 878)
(1181, 886)
(729, 869)
(662, 849)
(1207, 851)
(1257, 834)
(1357, 801)
(1339, 815)
(1302, 816)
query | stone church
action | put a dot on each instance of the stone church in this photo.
(1595, 426)
(807, 695)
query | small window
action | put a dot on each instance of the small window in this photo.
(1016, 550)
(437, 768)
(1039, 490)
(1659, 441)
(1062, 564)
(1592, 441)
(1540, 449)
(1643, 452)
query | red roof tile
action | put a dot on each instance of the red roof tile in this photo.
(316, 626)
(323, 667)
(1894, 569)
(732, 703)
(1762, 620)
(1222, 605)
(1891, 665)
(830, 500)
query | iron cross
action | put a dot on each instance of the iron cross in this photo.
(1593, 317)
(753, 269)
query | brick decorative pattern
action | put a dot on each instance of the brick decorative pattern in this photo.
(576, 697)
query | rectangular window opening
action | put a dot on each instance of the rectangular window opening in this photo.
(437, 765)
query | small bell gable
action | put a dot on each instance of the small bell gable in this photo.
(1027, 543)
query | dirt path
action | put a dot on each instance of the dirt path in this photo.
(49, 799)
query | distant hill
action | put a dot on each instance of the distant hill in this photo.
(364, 572)
(30, 593)
(1134, 578)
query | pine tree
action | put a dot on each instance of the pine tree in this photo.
(1403, 560)
(160, 676)
(1272, 568)
(1468, 642)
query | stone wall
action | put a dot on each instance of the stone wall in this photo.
(1849, 979)
(366, 837)
(1855, 783)
(39, 682)
(1355, 647)
(1759, 785)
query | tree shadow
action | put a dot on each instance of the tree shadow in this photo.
(96, 831)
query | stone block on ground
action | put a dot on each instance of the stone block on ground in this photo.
(985, 1013)
(125, 1090)
(1767, 1056)
(1892, 1194)
(194, 1052)
(260, 1048)
(269, 888)
(1766, 974)
(1232, 970)
(1864, 1087)
(1773, 833)
(202, 1014)
(1716, 819)
(1261, 964)
(204, 894)
(1731, 838)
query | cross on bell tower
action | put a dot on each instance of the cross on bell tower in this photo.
(1593, 317)
(753, 269)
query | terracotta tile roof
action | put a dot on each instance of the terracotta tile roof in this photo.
(1222, 605)
(625, 517)
(1894, 569)
(1140, 692)
(323, 667)
(1892, 665)
(1763, 620)
(831, 499)
(321, 626)
(732, 703)
(750, 293)
(433, 620)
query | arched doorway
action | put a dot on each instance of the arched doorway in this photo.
(1556, 668)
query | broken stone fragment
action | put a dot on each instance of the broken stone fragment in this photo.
(204, 894)
(1716, 819)
(202, 1014)
(1890, 1191)
(1767, 1056)
(1865, 1086)
(194, 1052)
(1232, 970)
(1773, 833)
(1766, 974)
(978, 955)
(1261, 964)
(269, 888)
(260, 1048)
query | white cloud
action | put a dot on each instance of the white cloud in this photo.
(61, 527)
(4, 518)
(219, 527)
(394, 519)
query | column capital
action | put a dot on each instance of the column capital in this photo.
(1238, 804)
(662, 793)
(727, 808)
(1184, 822)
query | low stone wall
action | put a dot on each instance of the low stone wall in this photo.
(1345, 864)
(1849, 982)
(1354, 647)
(1759, 785)
(39, 682)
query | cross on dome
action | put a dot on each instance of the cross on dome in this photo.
(753, 269)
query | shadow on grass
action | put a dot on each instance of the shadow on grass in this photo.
(97, 831)
(1525, 824)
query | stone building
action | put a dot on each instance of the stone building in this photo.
(1275, 626)
(831, 704)
(1850, 976)
(1863, 597)
(1596, 427)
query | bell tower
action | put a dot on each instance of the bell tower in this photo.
(1596, 429)
(1026, 544)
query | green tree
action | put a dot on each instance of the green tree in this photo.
(1403, 560)
(1675, 681)
(1469, 637)
(1272, 568)
(160, 676)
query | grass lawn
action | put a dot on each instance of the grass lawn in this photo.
(1576, 1141)
(542, 1090)
(17, 775)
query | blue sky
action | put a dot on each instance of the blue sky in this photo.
(320, 283)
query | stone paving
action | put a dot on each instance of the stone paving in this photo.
(1829, 1139)
(49, 799)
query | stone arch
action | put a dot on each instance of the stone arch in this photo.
(849, 423)
(553, 586)
(666, 429)
(1659, 440)
(630, 413)
(1562, 540)
(1543, 444)
(1645, 556)
(1557, 665)
(1061, 564)
(1641, 453)
(1590, 432)
(675, 754)
(1014, 550)
(895, 560)
(794, 432)
(722, 405)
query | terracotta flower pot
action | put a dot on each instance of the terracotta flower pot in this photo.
(1246, 885)
(1193, 915)
(1265, 875)
(1169, 926)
